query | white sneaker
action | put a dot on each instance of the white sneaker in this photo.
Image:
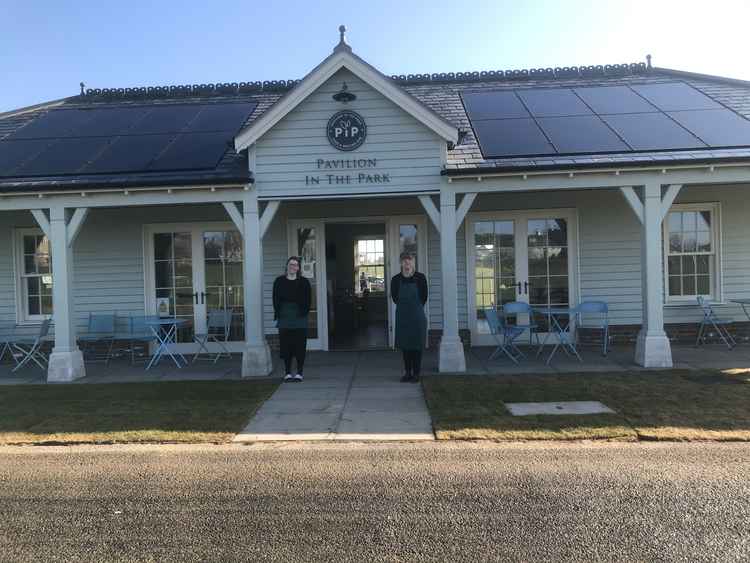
(288, 377)
(298, 377)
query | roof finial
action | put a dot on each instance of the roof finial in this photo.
(343, 45)
(83, 87)
(648, 61)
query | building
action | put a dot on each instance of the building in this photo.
(622, 183)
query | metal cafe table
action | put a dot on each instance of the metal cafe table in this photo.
(743, 303)
(561, 332)
(165, 331)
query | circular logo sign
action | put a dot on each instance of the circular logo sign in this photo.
(346, 130)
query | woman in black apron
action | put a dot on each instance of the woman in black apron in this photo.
(409, 293)
(292, 296)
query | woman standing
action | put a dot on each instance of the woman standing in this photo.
(291, 305)
(409, 293)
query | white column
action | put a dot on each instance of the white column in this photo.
(66, 360)
(256, 358)
(451, 354)
(652, 347)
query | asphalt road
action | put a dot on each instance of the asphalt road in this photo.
(377, 502)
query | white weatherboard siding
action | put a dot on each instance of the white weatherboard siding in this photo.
(404, 148)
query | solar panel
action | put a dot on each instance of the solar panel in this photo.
(614, 100)
(53, 124)
(652, 131)
(165, 119)
(15, 153)
(65, 156)
(193, 151)
(110, 121)
(675, 96)
(511, 137)
(129, 154)
(581, 134)
(717, 128)
(493, 105)
(221, 117)
(553, 102)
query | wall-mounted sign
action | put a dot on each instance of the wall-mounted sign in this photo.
(346, 130)
(162, 306)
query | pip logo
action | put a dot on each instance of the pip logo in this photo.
(346, 130)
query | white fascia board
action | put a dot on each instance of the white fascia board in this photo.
(368, 74)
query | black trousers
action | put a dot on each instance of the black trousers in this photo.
(412, 361)
(293, 344)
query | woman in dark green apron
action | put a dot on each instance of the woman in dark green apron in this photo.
(292, 296)
(409, 293)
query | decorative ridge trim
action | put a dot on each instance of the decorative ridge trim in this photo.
(189, 90)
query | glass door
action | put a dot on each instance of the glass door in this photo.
(405, 234)
(520, 256)
(192, 270)
(307, 240)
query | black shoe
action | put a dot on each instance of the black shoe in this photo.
(414, 378)
(406, 377)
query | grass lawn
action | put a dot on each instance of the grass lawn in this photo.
(663, 405)
(180, 411)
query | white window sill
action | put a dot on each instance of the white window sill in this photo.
(693, 304)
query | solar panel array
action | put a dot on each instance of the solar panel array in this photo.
(601, 119)
(107, 140)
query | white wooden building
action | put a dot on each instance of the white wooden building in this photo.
(541, 186)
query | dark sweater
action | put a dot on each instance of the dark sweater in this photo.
(294, 291)
(418, 278)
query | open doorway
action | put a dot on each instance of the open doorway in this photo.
(356, 286)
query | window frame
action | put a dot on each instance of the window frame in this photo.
(22, 313)
(716, 277)
(357, 267)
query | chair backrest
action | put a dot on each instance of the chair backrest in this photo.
(708, 311)
(493, 320)
(516, 307)
(139, 325)
(102, 323)
(44, 328)
(220, 319)
(593, 307)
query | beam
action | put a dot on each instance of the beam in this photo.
(633, 200)
(463, 209)
(75, 224)
(431, 210)
(41, 219)
(668, 199)
(235, 215)
(268, 214)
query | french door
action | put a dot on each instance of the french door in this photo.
(193, 269)
(405, 234)
(528, 256)
(307, 240)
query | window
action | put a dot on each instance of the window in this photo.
(34, 275)
(691, 248)
(369, 266)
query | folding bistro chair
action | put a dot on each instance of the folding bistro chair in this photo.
(505, 336)
(602, 322)
(219, 325)
(6, 344)
(140, 333)
(30, 349)
(101, 330)
(518, 308)
(720, 325)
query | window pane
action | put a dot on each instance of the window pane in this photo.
(32, 286)
(704, 285)
(46, 304)
(675, 286)
(538, 290)
(233, 246)
(537, 231)
(43, 265)
(704, 241)
(183, 273)
(675, 222)
(703, 264)
(688, 265)
(689, 242)
(704, 221)
(46, 285)
(688, 285)
(214, 245)
(558, 290)
(34, 306)
(558, 232)
(507, 261)
(675, 242)
(558, 261)
(234, 274)
(164, 274)
(163, 246)
(674, 265)
(182, 245)
(689, 221)
(29, 244)
(537, 261)
(29, 264)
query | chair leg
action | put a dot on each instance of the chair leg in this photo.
(606, 340)
(700, 334)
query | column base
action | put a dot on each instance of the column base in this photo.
(653, 350)
(451, 356)
(65, 367)
(256, 360)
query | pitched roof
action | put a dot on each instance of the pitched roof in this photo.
(439, 92)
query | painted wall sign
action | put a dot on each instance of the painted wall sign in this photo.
(346, 130)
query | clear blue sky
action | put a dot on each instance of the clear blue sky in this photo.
(48, 46)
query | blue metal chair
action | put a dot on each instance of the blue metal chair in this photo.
(140, 333)
(31, 348)
(101, 330)
(218, 328)
(520, 308)
(505, 336)
(720, 325)
(602, 322)
(6, 343)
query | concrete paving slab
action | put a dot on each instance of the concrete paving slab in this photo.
(561, 407)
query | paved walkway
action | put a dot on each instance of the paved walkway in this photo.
(345, 396)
